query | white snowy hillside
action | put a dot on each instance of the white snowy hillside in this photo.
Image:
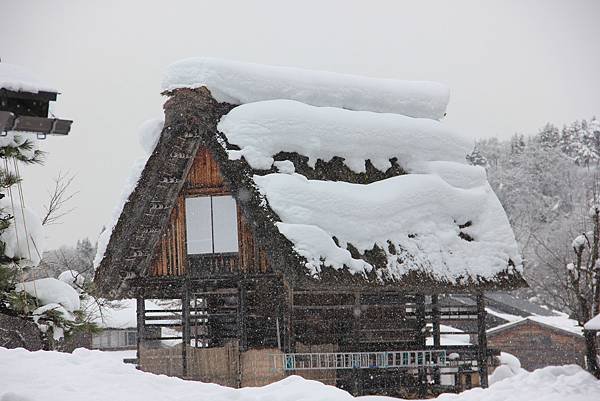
(98, 376)
(16, 78)
(238, 83)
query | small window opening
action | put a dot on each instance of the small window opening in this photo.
(211, 225)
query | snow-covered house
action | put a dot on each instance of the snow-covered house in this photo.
(309, 222)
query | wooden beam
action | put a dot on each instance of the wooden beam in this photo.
(185, 322)
(242, 315)
(435, 317)
(140, 312)
(481, 341)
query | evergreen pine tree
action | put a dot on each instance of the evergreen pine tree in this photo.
(19, 148)
(549, 136)
(476, 158)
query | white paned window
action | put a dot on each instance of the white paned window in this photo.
(211, 225)
(198, 223)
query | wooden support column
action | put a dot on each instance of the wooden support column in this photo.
(355, 340)
(289, 344)
(141, 330)
(185, 328)
(481, 341)
(435, 315)
(242, 290)
(421, 339)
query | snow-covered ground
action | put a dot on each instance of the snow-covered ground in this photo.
(100, 376)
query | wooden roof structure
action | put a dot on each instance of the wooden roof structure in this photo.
(191, 118)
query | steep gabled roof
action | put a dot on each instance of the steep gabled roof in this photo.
(336, 197)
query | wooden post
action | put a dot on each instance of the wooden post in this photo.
(140, 312)
(421, 339)
(435, 317)
(355, 340)
(481, 341)
(291, 335)
(242, 314)
(185, 328)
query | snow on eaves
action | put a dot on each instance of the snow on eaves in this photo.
(420, 214)
(593, 324)
(238, 83)
(263, 129)
(16, 78)
(149, 134)
(560, 321)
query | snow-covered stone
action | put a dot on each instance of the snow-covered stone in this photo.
(419, 213)
(51, 291)
(16, 78)
(263, 129)
(238, 83)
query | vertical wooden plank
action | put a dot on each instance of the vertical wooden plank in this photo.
(185, 321)
(140, 312)
(481, 341)
(421, 337)
(435, 312)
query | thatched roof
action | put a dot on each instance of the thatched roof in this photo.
(290, 192)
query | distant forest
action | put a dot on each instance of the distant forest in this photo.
(547, 183)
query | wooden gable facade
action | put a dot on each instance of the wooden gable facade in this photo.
(172, 259)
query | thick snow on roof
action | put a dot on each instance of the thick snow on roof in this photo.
(16, 78)
(593, 324)
(419, 213)
(99, 376)
(51, 291)
(263, 129)
(237, 83)
(560, 321)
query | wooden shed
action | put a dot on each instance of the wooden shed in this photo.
(267, 285)
(538, 344)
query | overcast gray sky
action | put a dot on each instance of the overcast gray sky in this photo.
(512, 66)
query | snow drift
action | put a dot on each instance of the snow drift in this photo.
(97, 376)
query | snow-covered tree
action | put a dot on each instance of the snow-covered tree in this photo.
(52, 304)
(476, 158)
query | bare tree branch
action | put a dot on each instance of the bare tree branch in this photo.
(59, 196)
